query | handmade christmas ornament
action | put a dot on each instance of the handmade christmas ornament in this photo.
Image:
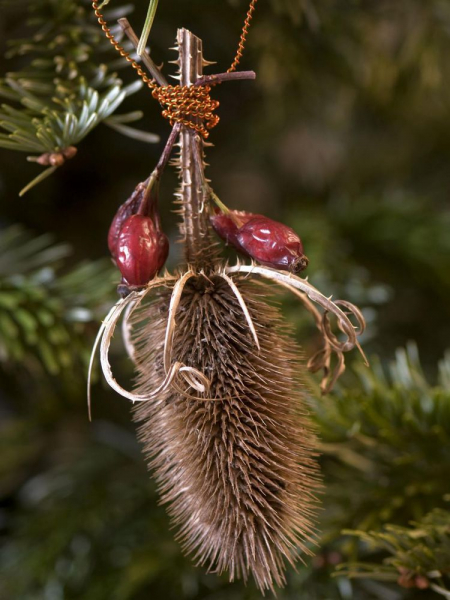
(220, 383)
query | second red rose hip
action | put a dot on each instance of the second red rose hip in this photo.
(141, 250)
(272, 244)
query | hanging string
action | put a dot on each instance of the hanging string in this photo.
(182, 104)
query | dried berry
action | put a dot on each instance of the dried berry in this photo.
(141, 250)
(128, 208)
(272, 244)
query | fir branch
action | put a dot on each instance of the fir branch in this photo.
(418, 556)
(45, 317)
(386, 445)
(386, 451)
(63, 93)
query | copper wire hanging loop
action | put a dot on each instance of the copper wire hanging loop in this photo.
(181, 104)
(243, 38)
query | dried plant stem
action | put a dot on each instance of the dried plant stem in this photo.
(148, 62)
(195, 228)
(221, 77)
(165, 156)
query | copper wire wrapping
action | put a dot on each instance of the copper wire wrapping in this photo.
(191, 106)
(182, 102)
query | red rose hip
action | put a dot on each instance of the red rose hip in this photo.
(141, 250)
(227, 229)
(272, 244)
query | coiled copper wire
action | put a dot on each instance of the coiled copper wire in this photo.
(243, 38)
(181, 104)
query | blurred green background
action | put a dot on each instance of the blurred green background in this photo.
(345, 136)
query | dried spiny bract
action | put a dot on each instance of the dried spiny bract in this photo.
(222, 415)
(236, 464)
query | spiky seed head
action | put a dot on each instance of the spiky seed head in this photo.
(238, 469)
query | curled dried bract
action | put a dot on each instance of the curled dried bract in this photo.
(196, 380)
(308, 294)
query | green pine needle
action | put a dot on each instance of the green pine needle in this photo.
(151, 12)
(43, 175)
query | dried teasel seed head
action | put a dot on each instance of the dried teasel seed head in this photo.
(235, 465)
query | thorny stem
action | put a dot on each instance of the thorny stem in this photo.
(209, 192)
(159, 77)
(195, 227)
(194, 192)
(148, 62)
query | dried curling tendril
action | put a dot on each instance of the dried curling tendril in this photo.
(176, 372)
(194, 378)
(308, 294)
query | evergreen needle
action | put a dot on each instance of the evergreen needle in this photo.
(147, 26)
(37, 180)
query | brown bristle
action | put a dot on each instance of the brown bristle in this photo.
(238, 469)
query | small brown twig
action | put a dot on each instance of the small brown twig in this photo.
(151, 185)
(148, 62)
(164, 159)
(220, 77)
